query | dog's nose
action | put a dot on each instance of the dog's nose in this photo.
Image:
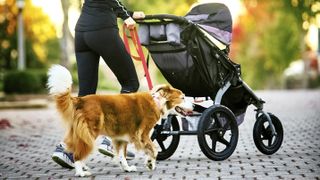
(188, 104)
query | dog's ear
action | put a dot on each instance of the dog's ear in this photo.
(159, 88)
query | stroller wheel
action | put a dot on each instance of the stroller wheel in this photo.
(167, 144)
(217, 133)
(265, 141)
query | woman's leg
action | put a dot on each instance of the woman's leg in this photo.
(88, 64)
(109, 45)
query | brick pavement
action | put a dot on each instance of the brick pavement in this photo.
(26, 147)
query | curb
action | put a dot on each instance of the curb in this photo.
(35, 103)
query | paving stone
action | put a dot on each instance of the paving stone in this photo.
(26, 147)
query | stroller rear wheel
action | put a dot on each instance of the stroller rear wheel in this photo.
(166, 143)
(218, 132)
(265, 141)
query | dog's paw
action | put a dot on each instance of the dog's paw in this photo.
(130, 169)
(85, 167)
(150, 165)
(83, 174)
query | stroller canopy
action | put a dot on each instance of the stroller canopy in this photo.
(215, 18)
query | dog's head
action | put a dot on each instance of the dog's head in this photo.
(172, 99)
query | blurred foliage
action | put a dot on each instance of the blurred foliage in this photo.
(177, 7)
(41, 42)
(267, 38)
(25, 82)
(305, 11)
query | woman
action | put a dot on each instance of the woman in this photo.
(97, 35)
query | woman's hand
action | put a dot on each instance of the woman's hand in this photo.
(130, 23)
(138, 15)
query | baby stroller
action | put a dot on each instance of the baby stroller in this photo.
(192, 54)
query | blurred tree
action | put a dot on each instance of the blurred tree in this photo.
(8, 36)
(304, 11)
(41, 41)
(66, 43)
(267, 38)
(77, 4)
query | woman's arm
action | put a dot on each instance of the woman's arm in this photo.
(124, 14)
(119, 9)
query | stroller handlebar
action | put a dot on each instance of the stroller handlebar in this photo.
(163, 17)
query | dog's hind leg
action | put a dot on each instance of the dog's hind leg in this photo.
(80, 169)
(85, 167)
(79, 165)
(79, 150)
(120, 155)
(83, 145)
(151, 151)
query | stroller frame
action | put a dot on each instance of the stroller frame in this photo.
(273, 132)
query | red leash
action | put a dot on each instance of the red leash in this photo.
(137, 45)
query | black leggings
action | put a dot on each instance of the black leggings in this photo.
(89, 46)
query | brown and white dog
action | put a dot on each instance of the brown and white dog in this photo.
(125, 118)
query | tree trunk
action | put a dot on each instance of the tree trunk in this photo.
(66, 42)
(80, 4)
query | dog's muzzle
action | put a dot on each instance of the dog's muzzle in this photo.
(185, 108)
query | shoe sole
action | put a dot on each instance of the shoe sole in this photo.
(108, 153)
(61, 162)
(130, 158)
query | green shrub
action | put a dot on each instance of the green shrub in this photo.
(24, 82)
(43, 77)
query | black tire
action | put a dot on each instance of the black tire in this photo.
(262, 132)
(167, 143)
(216, 124)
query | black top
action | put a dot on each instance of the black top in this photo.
(99, 14)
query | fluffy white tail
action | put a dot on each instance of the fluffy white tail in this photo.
(59, 80)
(59, 85)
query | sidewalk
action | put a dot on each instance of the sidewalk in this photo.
(26, 147)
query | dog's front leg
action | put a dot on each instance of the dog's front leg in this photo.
(79, 167)
(121, 149)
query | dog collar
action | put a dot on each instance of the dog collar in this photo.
(156, 98)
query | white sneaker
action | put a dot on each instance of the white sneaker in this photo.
(106, 148)
(63, 158)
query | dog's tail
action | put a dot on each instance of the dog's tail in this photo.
(59, 85)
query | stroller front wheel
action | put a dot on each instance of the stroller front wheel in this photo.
(167, 144)
(218, 132)
(265, 141)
